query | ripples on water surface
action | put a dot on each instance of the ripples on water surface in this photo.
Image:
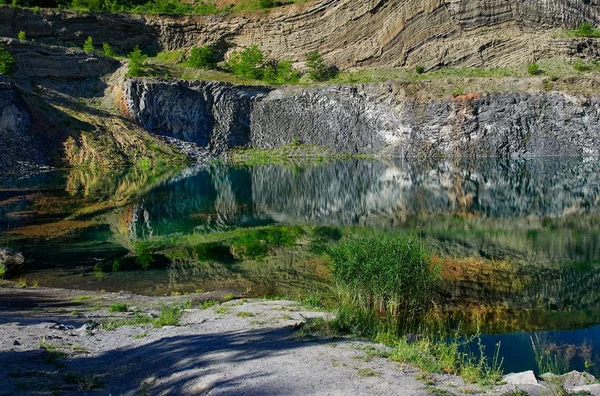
(518, 239)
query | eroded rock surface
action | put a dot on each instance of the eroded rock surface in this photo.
(350, 33)
(368, 118)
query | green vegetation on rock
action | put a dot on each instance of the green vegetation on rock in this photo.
(137, 61)
(202, 57)
(7, 61)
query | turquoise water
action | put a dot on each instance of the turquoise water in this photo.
(520, 238)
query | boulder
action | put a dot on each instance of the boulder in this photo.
(11, 261)
(523, 378)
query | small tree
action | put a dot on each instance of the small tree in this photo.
(7, 61)
(317, 69)
(137, 60)
(533, 69)
(22, 36)
(88, 45)
(420, 69)
(107, 50)
(248, 63)
(203, 57)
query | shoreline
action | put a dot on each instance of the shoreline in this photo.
(52, 341)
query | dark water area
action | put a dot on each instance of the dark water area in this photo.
(518, 240)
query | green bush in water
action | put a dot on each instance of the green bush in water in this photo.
(383, 280)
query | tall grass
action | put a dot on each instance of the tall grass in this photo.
(385, 282)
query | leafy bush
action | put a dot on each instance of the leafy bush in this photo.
(88, 45)
(203, 57)
(533, 69)
(7, 61)
(169, 316)
(420, 69)
(281, 72)
(22, 35)
(107, 50)
(137, 61)
(143, 255)
(317, 69)
(247, 63)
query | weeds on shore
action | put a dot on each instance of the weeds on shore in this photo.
(385, 282)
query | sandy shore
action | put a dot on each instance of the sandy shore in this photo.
(51, 343)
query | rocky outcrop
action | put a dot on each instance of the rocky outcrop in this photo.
(41, 61)
(379, 117)
(350, 33)
(11, 261)
(15, 131)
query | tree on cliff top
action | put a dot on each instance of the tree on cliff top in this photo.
(137, 60)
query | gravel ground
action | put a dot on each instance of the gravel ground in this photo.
(241, 347)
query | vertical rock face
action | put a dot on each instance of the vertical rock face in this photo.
(17, 146)
(208, 113)
(368, 118)
(350, 33)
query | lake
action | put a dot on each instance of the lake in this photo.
(518, 239)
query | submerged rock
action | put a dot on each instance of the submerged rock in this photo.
(11, 260)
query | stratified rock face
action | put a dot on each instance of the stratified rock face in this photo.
(40, 61)
(17, 146)
(368, 118)
(350, 33)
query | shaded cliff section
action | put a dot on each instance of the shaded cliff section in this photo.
(52, 113)
(370, 118)
(349, 33)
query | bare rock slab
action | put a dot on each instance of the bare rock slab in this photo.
(523, 378)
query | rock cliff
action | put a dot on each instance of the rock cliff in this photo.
(350, 33)
(378, 117)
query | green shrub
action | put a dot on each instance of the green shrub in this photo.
(3, 270)
(137, 61)
(533, 69)
(587, 29)
(107, 50)
(88, 45)
(22, 36)
(420, 69)
(581, 66)
(203, 57)
(118, 307)
(285, 73)
(247, 63)
(266, 3)
(36, 10)
(317, 69)
(169, 316)
(7, 61)
(383, 279)
(143, 255)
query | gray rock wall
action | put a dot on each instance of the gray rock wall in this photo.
(17, 146)
(368, 118)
